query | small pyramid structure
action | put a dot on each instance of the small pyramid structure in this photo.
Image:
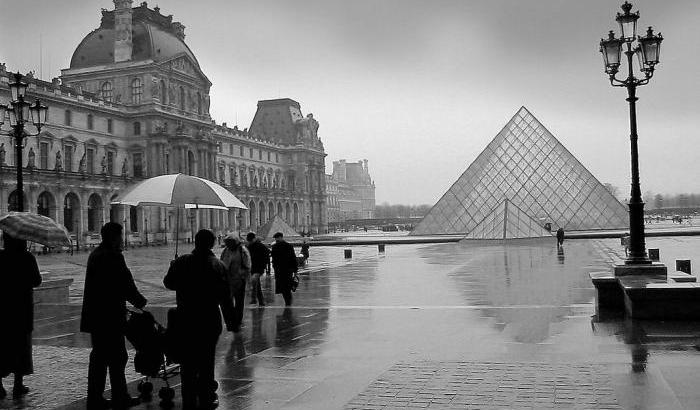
(274, 225)
(507, 221)
(526, 164)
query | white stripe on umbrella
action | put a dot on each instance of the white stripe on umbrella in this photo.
(35, 228)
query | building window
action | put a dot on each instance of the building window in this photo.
(106, 91)
(268, 156)
(90, 122)
(90, 159)
(199, 103)
(138, 165)
(67, 119)
(277, 157)
(241, 150)
(167, 163)
(220, 148)
(110, 163)
(222, 174)
(109, 126)
(44, 155)
(137, 128)
(136, 91)
(230, 149)
(260, 154)
(250, 152)
(182, 98)
(133, 219)
(68, 158)
(163, 92)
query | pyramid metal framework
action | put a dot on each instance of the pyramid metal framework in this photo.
(507, 221)
(527, 165)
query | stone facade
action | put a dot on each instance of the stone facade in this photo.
(134, 104)
(355, 190)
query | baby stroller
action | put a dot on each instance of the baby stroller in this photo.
(153, 359)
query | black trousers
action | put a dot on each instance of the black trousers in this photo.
(238, 294)
(256, 289)
(108, 352)
(197, 371)
(287, 295)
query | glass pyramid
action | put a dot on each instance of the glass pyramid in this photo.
(527, 165)
(507, 221)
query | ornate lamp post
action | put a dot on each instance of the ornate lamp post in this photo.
(19, 113)
(647, 50)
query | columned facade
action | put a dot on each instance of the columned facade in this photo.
(114, 122)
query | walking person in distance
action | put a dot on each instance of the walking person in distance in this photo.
(260, 259)
(284, 261)
(236, 259)
(108, 286)
(20, 274)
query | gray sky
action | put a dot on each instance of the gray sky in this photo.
(420, 87)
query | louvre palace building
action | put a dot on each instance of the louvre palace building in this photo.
(134, 104)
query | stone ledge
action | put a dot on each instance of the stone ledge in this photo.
(655, 298)
(654, 269)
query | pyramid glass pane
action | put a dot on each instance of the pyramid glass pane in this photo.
(507, 221)
(526, 165)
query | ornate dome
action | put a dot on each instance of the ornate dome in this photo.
(154, 36)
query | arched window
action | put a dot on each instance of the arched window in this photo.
(261, 210)
(106, 91)
(136, 91)
(182, 98)
(190, 163)
(94, 213)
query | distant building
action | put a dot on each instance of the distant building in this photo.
(355, 190)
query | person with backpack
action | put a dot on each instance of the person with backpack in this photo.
(236, 259)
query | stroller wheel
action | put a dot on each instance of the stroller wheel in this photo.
(146, 389)
(167, 394)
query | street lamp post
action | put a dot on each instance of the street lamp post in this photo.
(20, 112)
(647, 50)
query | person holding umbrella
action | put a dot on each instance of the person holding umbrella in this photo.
(20, 275)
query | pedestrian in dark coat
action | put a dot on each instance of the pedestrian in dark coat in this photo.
(260, 259)
(560, 237)
(20, 274)
(108, 286)
(284, 261)
(202, 295)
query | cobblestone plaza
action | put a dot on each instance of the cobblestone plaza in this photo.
(420, 326)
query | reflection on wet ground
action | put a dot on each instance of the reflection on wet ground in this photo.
(499, 308)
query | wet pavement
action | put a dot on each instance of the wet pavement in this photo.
(426, 326)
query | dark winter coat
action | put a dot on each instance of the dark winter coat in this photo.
(202, 292)
(19, 275)
(260, 256)
(108, 286)
(284, 260)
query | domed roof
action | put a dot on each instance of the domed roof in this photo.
(151, 39)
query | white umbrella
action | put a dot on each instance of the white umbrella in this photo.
(180, 191)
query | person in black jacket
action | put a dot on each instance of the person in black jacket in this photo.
(202, 295)
(284, 261)
(108, 286)
(260, 258)
(20, 274)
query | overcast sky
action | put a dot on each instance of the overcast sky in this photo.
(419, 88)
